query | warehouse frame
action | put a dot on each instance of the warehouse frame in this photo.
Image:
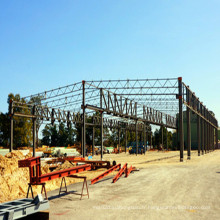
(128, 105)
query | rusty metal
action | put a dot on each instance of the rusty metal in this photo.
(129, 171)
(120, 172)
(118, 166)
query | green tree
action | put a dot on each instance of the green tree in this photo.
(22, 126)
(4, 129)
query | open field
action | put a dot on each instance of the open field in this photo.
(165, 189)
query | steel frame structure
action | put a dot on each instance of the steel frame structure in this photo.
(128, 105)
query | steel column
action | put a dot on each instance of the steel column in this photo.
(11, 125)
(202, 129)
(151, 143)
(126, 139)
(136, 137)
(34, 131)
(84, 120)
(144, 138)
(11, 137)
(180, 129)
(93, 140)
(82, 141)
(119, 137)
(167, 139)
(101, 135)
(205, 137)
(101, 91)
(188, 134)
(162, 136)
(198, 134)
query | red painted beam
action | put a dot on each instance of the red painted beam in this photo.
(29, 162)
(121, 171)
(128, 171)
(62, 173)
(118, 166)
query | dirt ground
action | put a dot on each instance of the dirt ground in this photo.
(162, 189)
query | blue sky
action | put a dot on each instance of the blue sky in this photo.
(47, 44)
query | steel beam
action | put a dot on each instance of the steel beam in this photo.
(180, 129)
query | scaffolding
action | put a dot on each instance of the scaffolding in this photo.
(128, 105)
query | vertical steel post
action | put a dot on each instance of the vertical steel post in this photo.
(205, 136)
(202, 128)
(151, 143)
(188, 118)
(216, 138)
(208, 136)
(212, 138)
(34, 131)
(101, 135)
(181, 119)
(126, 139)
(188, 135)
(167, 138)
(119, 137)
(101, 124)
(162, 136)
(210, 149)
(202, 132)
(12, 129)
(136, 136)
(84, 121)
(11, 125)
(93, 140)
(82, 140)
(145, 138)
(198, 134)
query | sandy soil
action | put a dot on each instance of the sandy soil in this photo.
(164, 189)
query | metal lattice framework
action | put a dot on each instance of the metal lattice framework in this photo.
(126, 104)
